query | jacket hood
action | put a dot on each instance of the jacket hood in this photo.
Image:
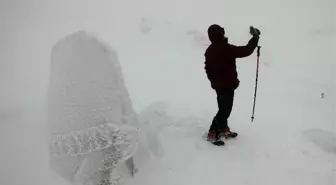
(216, 33)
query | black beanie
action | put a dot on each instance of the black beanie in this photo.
(216, 33)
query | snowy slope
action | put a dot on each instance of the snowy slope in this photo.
(161, 46)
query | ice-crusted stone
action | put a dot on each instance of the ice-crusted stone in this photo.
(92, 124)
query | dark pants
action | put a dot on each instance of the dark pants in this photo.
(225, 103)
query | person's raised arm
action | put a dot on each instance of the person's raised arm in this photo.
(247, 50)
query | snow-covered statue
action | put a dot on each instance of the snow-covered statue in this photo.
(93, 129)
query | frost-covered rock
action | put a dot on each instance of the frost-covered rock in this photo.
(92, 125)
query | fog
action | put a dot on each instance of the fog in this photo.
(29, 28)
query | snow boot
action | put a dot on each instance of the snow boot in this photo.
(227, 133)
(214, 138)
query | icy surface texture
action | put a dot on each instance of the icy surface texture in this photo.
(92, 124)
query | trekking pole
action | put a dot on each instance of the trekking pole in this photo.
(256, 83)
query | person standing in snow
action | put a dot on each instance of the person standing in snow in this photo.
(220, 67)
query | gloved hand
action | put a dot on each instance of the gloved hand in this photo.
(254, 31)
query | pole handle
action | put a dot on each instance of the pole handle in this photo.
(258, 51)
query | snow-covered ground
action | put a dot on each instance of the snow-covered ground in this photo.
(161, 45)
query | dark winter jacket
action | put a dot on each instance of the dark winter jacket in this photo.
(220, 63)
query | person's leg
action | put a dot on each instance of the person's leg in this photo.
(225, 103)
(227, 109)
(215, 127)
